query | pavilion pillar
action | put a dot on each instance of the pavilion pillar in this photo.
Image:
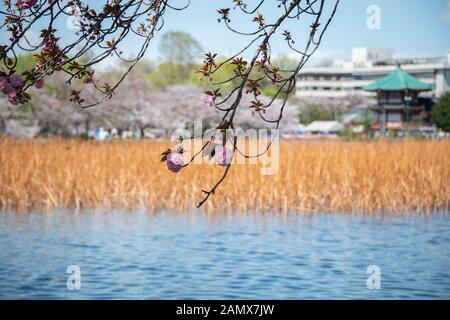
(383, 122)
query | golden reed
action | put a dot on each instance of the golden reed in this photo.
(360, 177)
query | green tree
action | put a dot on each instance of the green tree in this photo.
(441, 113)
(167, 74)
(25, 62)
(179, 47)
(313, 112)
(179, 50)
(285, 64)
(367, 120)
(220, 76)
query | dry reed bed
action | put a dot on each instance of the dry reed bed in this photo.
(363, 177)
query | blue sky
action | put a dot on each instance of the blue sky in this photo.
(409, 27)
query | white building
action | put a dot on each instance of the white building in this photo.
(364, 57)
(367, 65)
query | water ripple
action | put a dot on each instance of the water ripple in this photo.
(142, 256)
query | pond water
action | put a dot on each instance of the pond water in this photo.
(196, 256)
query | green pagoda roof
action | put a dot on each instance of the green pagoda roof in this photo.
(398, 80)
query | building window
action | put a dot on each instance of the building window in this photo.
(394, 117)
(394, 98)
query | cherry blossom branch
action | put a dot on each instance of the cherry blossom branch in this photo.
(283, 80)
(99, 31)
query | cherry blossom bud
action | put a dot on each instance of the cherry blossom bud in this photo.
(12, 97)
(59, 64)
(39, 83)
(89, 77)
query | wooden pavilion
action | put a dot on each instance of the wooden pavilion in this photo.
(399, 106)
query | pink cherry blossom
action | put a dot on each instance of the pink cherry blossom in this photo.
(175, 161)
(59, 64)
(16, 81)
(9, 89)
(209, 100)
(25, 4)
(223, 155)
(3, 84)
(50, 46)
(89, 77)
(12, 97)
(39, 83)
